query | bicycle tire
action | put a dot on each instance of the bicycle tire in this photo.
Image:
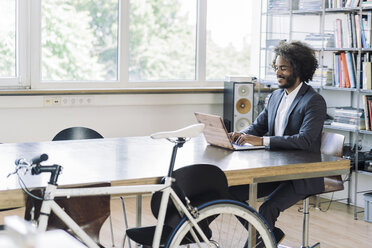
(227, 230)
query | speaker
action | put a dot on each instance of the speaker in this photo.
(238, 103)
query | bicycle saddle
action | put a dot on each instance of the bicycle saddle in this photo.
(186, 132)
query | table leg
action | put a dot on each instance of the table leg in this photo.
(253, 195)
(139, 212)
(253, 203)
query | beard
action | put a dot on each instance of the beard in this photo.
(289, 82)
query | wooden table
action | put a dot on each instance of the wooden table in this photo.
(141, 160)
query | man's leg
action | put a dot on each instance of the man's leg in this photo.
(241, 192)
(283, 197)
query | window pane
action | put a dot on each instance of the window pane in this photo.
(7, 38)
(162, 40)
(79, 40)
(228, 38)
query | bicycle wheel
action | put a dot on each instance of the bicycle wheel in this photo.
(226, 224)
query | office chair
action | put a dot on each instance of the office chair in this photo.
(332, 144)
(90, 219)
(200, 183)
(78, 133)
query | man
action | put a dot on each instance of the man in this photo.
(293, 119)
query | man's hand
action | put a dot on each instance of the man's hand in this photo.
(234, 136)
(241, 139)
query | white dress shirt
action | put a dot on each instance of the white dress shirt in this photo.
(281, 113)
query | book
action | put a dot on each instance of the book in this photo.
(350, 69)
(348, 3)
(363, 34)
(367, 75)
(347, 126)
(345, 70)
(348, 120)
(353, 31)
(370, 111)
(336, 71)
(348, 112)
(368, 123)
(341, 73)
(346, 31)
(338, 33)
(358, 32)
(355, 3)
(349, 117)
(366, 20)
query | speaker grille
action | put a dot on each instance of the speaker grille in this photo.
(243, 90)
(242, 124)
(243, 105)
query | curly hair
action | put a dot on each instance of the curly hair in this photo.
(300, 56)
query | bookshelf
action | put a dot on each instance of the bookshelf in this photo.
(340, 31)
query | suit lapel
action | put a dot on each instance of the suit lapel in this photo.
(300, 94)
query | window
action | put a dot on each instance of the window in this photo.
(79, 40)
(123, 43)
(162, 40)
(8, 41)
(228, 38)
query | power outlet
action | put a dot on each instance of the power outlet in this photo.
(77, 100)
(50, 101)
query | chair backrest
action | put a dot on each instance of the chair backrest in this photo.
(332, 144)
(76, 133)
(201, 183)
(88, 212)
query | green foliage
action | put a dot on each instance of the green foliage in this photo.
(104, 25)
(162, 42)
(67, 43)
(222, 61)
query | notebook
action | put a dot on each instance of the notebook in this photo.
(216, 134)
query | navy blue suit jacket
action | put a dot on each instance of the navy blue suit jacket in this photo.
(303, 128)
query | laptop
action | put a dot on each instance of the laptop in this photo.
(216, 134)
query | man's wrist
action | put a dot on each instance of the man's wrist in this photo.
(266, 140)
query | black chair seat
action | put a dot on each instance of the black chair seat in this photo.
(201, 183)
(144, 235)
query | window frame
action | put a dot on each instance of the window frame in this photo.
(29, 29)
(21, 73)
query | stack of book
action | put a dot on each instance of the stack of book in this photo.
(349, 118)
(310, 4)
(316, 40)
(278, 5)
(322, 75)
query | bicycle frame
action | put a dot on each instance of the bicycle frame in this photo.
(52, 192)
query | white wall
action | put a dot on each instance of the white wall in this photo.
(27, 118)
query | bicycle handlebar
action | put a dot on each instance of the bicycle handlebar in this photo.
(37, 168)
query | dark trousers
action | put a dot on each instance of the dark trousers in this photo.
(281, 195)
